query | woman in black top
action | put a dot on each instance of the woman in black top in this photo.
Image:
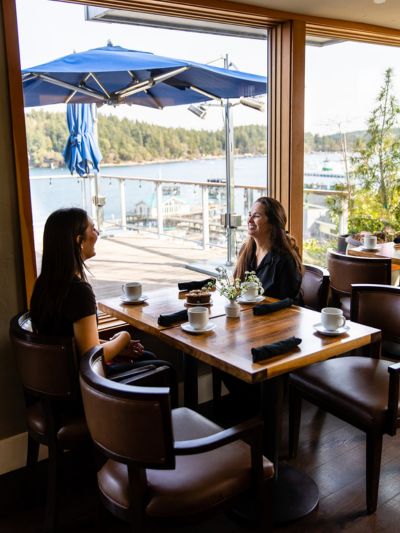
(274, 256)
(63, 302)
(270, 251)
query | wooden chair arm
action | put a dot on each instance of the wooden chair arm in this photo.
(247, 431)
(393, 397)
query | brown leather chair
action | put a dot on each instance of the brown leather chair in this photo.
(365, 311)
(315, 287)
(49, 373)
(344, 270)
(363, 391)
(168, 465)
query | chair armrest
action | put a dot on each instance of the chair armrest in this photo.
(162, 372)
(131, 374)
(247, 431)
(393, 397)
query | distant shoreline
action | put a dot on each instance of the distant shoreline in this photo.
(159, 161)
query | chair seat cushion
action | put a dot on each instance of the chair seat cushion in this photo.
(354, 388)
(197, 484)
(72, 428)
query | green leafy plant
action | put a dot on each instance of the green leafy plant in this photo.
(377, 164)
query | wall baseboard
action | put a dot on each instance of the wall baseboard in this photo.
(13, 452)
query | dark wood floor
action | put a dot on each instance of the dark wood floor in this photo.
(331, 452)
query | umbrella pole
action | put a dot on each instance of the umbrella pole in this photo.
(230, 179)
(230, 185)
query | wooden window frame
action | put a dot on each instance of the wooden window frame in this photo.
(286, 51)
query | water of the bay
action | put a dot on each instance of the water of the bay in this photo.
(49, 194)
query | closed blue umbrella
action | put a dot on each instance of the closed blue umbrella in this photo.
(81, 153)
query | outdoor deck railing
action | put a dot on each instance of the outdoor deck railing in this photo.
(164, 213)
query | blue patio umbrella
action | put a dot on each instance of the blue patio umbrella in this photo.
(115, 75)
(81, 153)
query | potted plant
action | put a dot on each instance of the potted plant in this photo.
(232, 289)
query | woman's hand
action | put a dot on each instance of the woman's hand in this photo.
(132, 350)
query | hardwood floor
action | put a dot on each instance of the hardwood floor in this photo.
(331, 452)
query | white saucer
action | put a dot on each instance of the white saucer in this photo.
(140, 300)
(255, 300)
(199, 304)
(366, 249)
(189, 329)
(320, 328)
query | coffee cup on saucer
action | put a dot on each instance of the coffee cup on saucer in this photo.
(198, 317)
(332, 318)
(132, 290)
(251, 291)
(370, 241)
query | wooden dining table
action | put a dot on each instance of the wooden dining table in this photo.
(385, 249)
(228, 348)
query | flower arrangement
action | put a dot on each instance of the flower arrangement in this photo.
(234, 288)
(251, 280)
(231, 289)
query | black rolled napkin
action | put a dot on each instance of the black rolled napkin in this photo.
(396, 240)
(171, 318)
(193, 285)
(277, 348)
(270, 308)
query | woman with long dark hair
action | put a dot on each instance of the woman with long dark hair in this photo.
(270, 251)
(63, 302)
(275, 258)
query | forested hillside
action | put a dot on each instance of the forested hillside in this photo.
(124, 141)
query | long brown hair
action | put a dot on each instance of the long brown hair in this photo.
(281, 241)
(62, 260)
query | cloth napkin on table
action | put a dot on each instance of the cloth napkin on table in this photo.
(193, 285)
(270, 308)
(168, 319)
(353, 241)
(277, 348)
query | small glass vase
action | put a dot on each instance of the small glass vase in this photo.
(232, 309)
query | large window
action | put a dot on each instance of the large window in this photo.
(163, 171)
(343, 83)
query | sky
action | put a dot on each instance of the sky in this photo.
(342, 80)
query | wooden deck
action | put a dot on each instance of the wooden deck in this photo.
(155, 262)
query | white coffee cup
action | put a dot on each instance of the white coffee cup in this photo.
(332, 318)
(370, 241)
(132, 290)
(251, 291)
(198, 317)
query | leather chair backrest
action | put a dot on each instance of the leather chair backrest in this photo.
(129, 424)
(344, 270)
(47, 365)
(377, 306)
(315, 287)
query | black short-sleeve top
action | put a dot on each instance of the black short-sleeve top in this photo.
(79, 302)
